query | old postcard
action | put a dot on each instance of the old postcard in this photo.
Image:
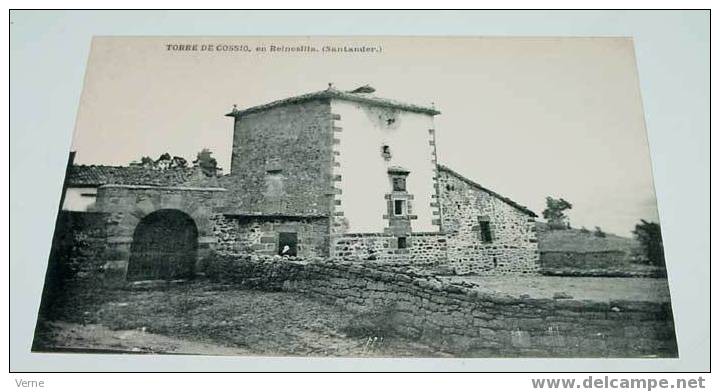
(359, 197)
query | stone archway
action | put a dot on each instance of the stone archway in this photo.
(164, 246)
(127, 205)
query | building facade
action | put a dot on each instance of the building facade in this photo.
(341, 174)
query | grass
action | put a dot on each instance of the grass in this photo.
(575, 240)
(600, 289)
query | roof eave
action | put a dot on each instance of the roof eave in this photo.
(334, 94)
(507, 200)
(83, 185)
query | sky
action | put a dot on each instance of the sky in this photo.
(525, 117)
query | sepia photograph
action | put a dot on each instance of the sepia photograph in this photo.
(467, 197)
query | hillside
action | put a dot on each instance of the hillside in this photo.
(574, 240)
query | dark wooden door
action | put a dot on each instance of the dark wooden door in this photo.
(164, 247)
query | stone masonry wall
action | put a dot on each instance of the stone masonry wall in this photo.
(259, 235)
(462, 319)
(79, 243)
(75, 266)
(422, 248)
(513, 248)
(608, 263)
(282, 161)
(469, 322)
(583, 260)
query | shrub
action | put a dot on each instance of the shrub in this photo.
(599, 232)
(650, 238)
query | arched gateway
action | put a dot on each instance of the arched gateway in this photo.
(156, 232)
(164, 246)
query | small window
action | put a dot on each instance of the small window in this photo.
(402, 242)
(399, 207)
(485, 234)
(273, 166)
(398, 184)
(287, 244)
(385, 151)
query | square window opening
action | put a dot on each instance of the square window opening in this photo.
(287, 244)
(399, 184)
(402, 242)
(399, 208)
(485, 233)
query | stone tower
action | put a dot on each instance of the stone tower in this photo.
(368, 164)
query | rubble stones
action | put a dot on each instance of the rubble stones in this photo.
(465, 321)
(513, 249)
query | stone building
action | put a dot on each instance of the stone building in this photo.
(486, 232)
(341, 174)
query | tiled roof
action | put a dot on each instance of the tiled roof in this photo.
(96, 175)
(482, 188)
(332, 93)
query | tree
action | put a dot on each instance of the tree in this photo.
(145, 162)
(555, 212)
(165, 161)
(178, 162)
(207, 163)
(650, 238)
(599, 232)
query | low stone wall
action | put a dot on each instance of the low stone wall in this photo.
(582, 260)
(463, 320)
(598, 264)
(421, 248)
(252, 272)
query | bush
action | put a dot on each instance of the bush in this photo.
(599, 232)
(649, 236)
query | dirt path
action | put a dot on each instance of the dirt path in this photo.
(77, 337)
